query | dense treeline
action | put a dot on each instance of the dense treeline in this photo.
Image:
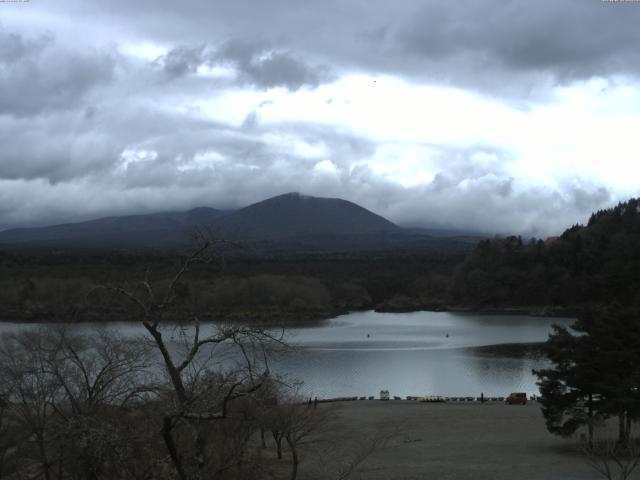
(62, 287)
(592, 264)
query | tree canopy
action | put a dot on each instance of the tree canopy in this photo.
(594, 372)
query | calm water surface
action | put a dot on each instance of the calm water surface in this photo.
(411, 354)
(419, 353)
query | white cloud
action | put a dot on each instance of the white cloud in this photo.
(132, 156)
(326, 167)
(201, 161)
(142, 50)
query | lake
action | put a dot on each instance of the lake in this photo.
(418, 353)
(410, 354)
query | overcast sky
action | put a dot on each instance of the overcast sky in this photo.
(517, 116)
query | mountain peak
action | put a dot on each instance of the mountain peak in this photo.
(291, 196)
(294, 214)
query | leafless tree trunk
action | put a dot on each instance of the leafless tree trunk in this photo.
(5, 434)
(198, 399)
(167, 435)
(294, 456)
(277, 437)
(591, 419)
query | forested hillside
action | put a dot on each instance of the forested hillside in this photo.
(596, 263)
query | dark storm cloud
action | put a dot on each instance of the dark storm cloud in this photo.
(256, 64)
(182, 60)
(566, 39)
(266, 68)
(14, 47)
(486, 44)
(38, 76)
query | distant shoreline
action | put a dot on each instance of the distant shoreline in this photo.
(532, 311)
(293, 319)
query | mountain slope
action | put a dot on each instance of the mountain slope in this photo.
(152, 230)
(286, 225)
(294, 215)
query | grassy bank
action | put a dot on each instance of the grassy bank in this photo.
(473, 441)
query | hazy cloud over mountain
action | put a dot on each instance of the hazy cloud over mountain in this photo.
(513, 116)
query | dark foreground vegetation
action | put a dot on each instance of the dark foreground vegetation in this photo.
(177, 404)
(592, 386)
(102, 407)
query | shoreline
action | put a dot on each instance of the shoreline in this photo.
(459, 400)
(532, 311)
(293, 319)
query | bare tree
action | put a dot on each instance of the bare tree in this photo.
(96, 370)
(32, 394)
(59, 392)
(202, 385)
(7, 436)
(302, 423)
(611, 459)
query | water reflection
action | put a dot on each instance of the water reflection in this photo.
(411, 354)
(418, 353)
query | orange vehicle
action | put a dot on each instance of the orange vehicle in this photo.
(517, 398)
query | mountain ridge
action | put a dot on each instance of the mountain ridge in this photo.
(284, 216)
(287, 224)
(140, 228)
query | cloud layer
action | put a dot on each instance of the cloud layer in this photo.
(496, 116)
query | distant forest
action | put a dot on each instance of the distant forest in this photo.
(596, 263)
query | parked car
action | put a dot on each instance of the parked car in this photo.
(433, 398)
(517, 398)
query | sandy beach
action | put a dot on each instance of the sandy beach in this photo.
(454, 441)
